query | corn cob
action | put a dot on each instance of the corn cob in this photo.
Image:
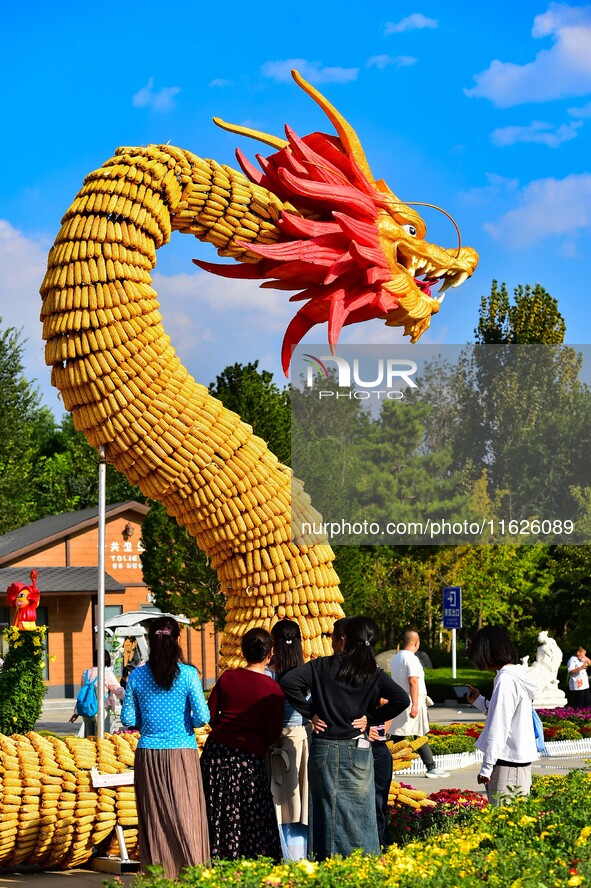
(402, 795)
(51, 815)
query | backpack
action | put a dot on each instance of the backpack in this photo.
(87, 700)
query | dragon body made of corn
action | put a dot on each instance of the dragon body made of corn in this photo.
(314, 220)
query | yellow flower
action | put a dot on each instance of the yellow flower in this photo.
(574, 881)
(308, 866)
(526, 819)
(583, 835)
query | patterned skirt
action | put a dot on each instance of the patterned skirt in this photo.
(240, 810)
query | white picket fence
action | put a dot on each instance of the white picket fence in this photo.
(554, 749)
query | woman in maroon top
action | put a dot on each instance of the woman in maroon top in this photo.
(246, 717)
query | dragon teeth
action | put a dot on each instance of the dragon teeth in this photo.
(460, 280)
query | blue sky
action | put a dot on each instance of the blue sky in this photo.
(483, 109)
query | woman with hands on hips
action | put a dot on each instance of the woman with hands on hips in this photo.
(344, 695)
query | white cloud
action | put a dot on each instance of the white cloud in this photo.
(383, 61)
(580, 113)
(222, 296)
(570, 250)
(214, 322)
(160, 100)
(560, 15)
(314, 72)
(546, 208)
(498, 187)
(561, 71)
(220, 83)
(537, 132)
(23, 261)
(414, 22)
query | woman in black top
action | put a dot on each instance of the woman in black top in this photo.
(342, 689)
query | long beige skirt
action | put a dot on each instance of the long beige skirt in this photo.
(172, 822)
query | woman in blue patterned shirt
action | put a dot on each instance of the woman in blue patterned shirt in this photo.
(164, 700)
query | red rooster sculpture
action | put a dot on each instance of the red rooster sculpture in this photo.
(25, 599)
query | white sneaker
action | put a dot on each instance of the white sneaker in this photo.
(437, 772)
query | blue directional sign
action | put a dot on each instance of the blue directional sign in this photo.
(452, 607)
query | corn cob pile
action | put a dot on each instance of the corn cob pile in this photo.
(404, 751)
(401, 795)
(50, 814)
(127, 389)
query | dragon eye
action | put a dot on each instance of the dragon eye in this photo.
(410, 229)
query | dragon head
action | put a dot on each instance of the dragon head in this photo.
(347, 243)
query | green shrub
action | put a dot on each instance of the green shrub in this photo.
(567, 732)
(22, 688)
(451, 744)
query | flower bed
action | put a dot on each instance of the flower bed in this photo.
(539, 841)
(452, 807)
(559, 724)
(553, 716)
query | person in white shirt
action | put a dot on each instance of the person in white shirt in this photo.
(578, 680)
(508, 740)
(407, 671)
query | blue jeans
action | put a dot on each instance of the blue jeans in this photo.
(342, 797)
(382, 766)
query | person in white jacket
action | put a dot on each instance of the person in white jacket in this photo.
(508, 741)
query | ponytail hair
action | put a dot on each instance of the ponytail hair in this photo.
(165, 651)
(357, 662)
(287, 646)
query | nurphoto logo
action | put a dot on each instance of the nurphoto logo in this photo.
(385, 372)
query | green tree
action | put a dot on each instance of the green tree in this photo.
(66, 472)
(402, 479)
(533, 317)
(501, 584)
(326, 433)
(505, 403)
(350, 563)
(19, 412)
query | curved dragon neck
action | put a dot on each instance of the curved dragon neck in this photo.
(127, 389)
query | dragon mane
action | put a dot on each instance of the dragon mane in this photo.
(330, 247)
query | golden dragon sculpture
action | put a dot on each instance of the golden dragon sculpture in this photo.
(314, 220)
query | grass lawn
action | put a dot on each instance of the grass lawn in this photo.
(440, 683)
